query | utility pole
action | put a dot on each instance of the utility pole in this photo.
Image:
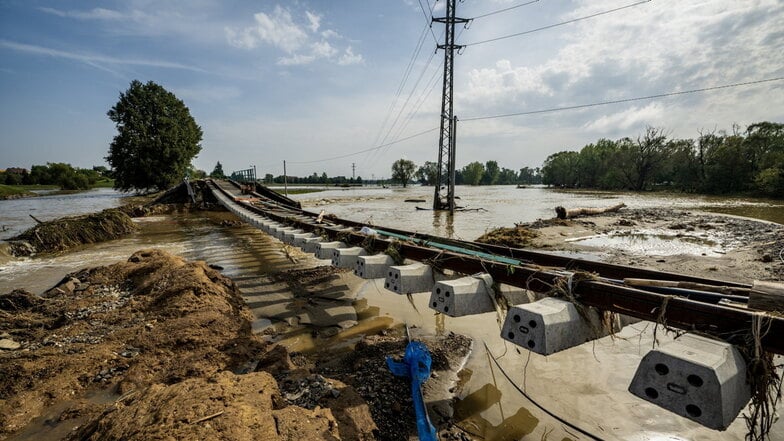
(444, 196)
(285, 179)
(353, 170)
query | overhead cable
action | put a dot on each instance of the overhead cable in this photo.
(367, 150)
(403, 81)
(625, 100)
(504, 10)
(558, 24)
(428, 20)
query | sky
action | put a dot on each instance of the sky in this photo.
(313, 82)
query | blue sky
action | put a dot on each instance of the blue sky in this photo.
(309, 80)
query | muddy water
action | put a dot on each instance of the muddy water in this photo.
(585, 385)
(15, 213)
(494, 206)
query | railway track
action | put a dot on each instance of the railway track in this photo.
(595, 284)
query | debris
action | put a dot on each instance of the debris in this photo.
(563, 213)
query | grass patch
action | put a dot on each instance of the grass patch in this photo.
(104, 183)
(37, 187)
(14, 191)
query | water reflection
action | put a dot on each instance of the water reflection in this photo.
(445, 219)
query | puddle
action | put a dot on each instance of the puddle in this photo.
(656, 243)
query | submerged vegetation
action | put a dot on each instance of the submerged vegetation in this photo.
(515, 237)
(749, 162)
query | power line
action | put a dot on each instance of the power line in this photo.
(423, 96)
(397, 141)
(408, 98)
(574, 20)
(504, 9)
(403, 81)
(626, 100)
(428, 20)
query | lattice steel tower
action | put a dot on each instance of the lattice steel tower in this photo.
(444, 197)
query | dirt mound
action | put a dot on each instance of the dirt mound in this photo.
(516, 237)
(226, 406)
(153, 319)
(67, 232)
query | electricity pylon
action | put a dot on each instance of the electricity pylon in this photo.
(444, 197)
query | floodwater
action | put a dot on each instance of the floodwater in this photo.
(15, 213)
(489, 207)
(586, 385)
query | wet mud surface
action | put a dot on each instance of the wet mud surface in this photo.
(688, 242)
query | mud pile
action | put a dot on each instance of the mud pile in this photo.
(67, 232)
(169, 342)
(516, 237)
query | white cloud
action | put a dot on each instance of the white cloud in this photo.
(296, 60)
(635, 118)
(93, 59)
(314, 21)
(653, 48)
(504, 83)
(349, 57)
(93, 14)
(329, 33)
(323, 49)
(279, 30)
(299, 38)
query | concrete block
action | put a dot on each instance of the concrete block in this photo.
(695, 377)
(373, 267)
(282, 231)
(463, 296)
(324, 249)
(515, 295)
(548, 326)
(347, 257)
(271, 227)
(409, 279)
(298, 239)
(309, 244)
(288, 236)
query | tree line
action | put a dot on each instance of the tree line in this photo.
(749, 161)
(475, 173)
(60, 174)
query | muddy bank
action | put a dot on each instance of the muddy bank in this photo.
(153, 319)
(64, 233)
(695, 243)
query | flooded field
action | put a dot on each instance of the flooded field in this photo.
(585, 385)
(496, 206)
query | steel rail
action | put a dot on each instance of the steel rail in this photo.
(731, 324)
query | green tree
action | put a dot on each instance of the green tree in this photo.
(428, 173)
(490, 176)
(403, 170)
(529, 175)
(473, 172)
(507, 177)
(561, 169)
(217, 172)
(157, 138)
